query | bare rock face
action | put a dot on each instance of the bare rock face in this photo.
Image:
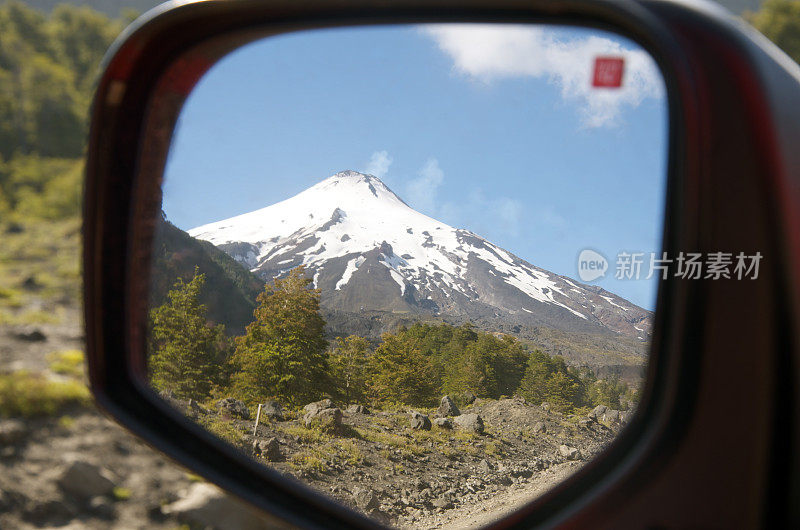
(233, 407)
(84, 480)
(269, 449)
(420, 421)
(448, 407)
(206, 506)
(469, 422)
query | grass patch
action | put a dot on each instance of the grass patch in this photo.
(349, 452)
(468, 449)
(121, 494)
(437, 436)
(27, 317)
(464, 436)
(307, 462)
(407, 446)
(10, 298)
(66, 422)
(449, 453)
(23, 394)
(67, 362)
(305, 435)
(224, 429)
(493, 448)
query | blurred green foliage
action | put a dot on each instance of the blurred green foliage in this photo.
(48, 66)
(779, 20)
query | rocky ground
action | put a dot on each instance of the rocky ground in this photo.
(417, 468)
(77, 469)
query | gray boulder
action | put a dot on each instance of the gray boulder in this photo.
(570, 453)
(597, 412)
(272, 409)
(420, 421)
(448, 407)
(443, 423)
(233, 407)
(357, 409)
(329, 420)
(469, 422)
(269, 449)
(539, 427)
(468, 398)
(315, 407)
(84, 480)
(206, 506)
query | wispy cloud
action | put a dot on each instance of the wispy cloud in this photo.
(490, 52)
(379, 164)
(421, 191)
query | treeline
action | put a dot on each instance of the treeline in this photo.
(284, 355)
(48, 65)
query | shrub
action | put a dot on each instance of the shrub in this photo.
(23, 394)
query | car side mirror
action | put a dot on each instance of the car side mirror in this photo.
(731, 115)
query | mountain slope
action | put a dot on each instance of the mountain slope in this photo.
(230, 290)
(366, 249)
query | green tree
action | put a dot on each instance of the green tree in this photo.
(549, 379)
(400, 371)
(186, 349)
(349, 364)
(779, 21)
(283, 352)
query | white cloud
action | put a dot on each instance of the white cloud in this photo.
(421, 191)
(490, 52)
(379, 164)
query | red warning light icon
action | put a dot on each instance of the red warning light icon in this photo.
(608, 72)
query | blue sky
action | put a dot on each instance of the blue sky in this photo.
(493, 129)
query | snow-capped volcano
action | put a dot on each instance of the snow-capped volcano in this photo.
(369, 250)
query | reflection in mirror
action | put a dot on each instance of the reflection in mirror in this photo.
(413, 267)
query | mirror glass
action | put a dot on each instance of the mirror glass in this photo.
(413, 267)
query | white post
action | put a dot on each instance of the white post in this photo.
(258, 415)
